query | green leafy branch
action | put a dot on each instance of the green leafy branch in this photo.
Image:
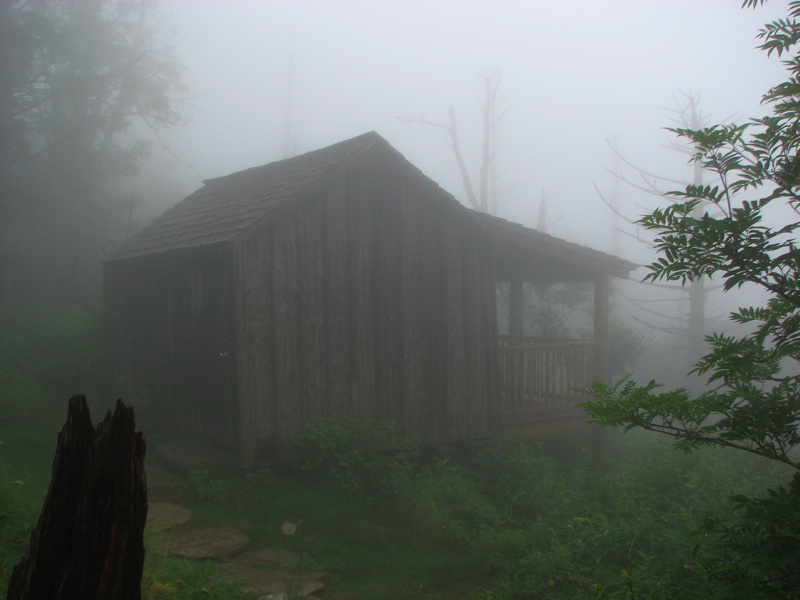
(744, 419)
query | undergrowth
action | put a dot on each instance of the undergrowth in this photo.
(18, 514)
(172, 578)
(528, 524)
(499, 518)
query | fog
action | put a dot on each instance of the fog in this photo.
(576, 81)
(302, 351)
(575, 77)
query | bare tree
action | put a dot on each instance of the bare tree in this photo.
(691, 326)
(289, 146)
(486, 197)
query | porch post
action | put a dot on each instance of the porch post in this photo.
(516, 311)
(514, 364)
(601, 317)
(601, 327)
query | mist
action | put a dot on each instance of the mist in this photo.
(584, 94)
(574, 77)
(351, 387)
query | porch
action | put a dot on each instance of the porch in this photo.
(540, 377)
(540, 382)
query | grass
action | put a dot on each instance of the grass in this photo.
(25, 462)
(506, 519)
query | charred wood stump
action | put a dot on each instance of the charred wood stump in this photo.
(88, 543)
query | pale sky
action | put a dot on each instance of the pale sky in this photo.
(574, 75)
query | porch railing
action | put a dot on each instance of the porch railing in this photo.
(540, 378)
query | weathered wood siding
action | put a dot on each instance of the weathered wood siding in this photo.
(170, 336)
(373, 299)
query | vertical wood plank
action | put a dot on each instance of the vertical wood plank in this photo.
(456, 368)
(363, 343)
(417, 421)
(337, 331)
(285, 298)
(314, 359)
(387, 307)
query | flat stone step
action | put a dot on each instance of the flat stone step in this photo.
(165, 515)
(277, 558)
(209, 543)
(282, 583)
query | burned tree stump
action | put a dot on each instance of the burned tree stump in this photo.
(88, 542)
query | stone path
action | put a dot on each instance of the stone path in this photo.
(271, 573)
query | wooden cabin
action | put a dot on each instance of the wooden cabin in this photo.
(342, 283)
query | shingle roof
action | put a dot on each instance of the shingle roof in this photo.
(547, 254)
(226, 206)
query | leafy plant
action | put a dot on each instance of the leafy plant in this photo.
(175, 579)
(754, 402)
(363, 458)
(206, 488)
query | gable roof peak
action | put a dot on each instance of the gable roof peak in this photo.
(225, 207)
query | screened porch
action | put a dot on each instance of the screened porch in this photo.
(541, 376)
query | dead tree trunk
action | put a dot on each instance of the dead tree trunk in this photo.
(89, 540)
(486, 200)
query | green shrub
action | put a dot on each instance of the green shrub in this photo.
(519, 476)
(175, 579)
(369, 459)
(207, 488)
(756, 553)
(632, 528)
